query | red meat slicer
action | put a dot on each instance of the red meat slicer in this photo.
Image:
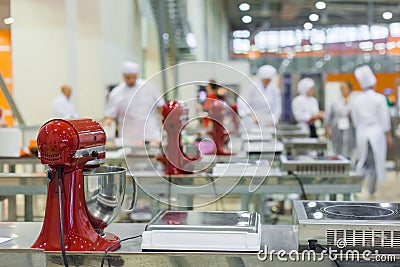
(69, 147)
(175, 115)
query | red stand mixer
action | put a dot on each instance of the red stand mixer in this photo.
(175, 115)
(218, 133)
(70, 147)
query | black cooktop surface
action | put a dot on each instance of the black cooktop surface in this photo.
(321, 210)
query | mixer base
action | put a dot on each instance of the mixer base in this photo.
(74, 242)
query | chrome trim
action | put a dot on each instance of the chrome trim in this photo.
(87, 151)
(95, 162)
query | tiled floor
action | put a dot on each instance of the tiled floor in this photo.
(388, 191)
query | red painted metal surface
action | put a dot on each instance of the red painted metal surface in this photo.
(79, 233)
(218, 132)
(58, 140)
(174, 159)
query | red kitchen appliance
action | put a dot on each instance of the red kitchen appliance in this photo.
(175, 115)
(218, 132)
(70, 147)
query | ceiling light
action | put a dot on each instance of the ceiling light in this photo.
(308, 26)
(366, 46)
(320, 5)
(191, 40)
(247, 19)
(317, 47)
(395, 29)
(9, 21)
(390, 45)
(387, 15)
(307, 48)
(244, 7)
(241, 34)
(313, 17)
(380, 46)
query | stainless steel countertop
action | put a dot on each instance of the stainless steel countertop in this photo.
(277, 238)
(15, 252)
(25, 233)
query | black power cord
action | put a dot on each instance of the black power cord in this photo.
(303, 192)
(113, 245)
(313, 245)
(60, 212)
(169, 191)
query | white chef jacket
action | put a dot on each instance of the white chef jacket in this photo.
(266, 103)
(135, 108)
(303, 108)
(370, 115)
(64, 108)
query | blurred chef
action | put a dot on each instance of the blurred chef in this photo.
(262, 101)
(339, 126)
(371, 119)
(63, 106)
(305, 106)
(137, 102)
(211, 89)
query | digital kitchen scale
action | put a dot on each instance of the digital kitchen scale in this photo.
(263, 147)
(348, 225)
(259, 168)
(258, 135)
(291, 133)
(304, 145)
(203, 231)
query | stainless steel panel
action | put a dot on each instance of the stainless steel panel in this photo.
(242, 221)
(304, 145)
(360, 225)
(307, 165)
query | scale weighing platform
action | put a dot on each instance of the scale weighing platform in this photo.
(259, 168)
(263, 147)
(203, 231)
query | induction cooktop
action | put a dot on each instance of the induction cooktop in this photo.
(321, 165)
(295, 146)
(355, 224)
(352, 211)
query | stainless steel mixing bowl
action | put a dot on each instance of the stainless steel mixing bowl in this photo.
(104, 194)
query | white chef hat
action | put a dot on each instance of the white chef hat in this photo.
(266, 72)
(129, 67)
(365, 77)
(304, 85)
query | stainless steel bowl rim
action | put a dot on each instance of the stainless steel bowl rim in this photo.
(105, 170)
